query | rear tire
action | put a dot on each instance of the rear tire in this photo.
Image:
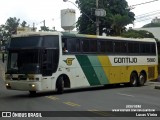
(60, 85)
(32, 93)
(142, 79)
(133, 79)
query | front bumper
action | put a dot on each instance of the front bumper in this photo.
(23, 85)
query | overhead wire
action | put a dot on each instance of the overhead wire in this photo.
(147, 17)
(146, 14)
(143, 3)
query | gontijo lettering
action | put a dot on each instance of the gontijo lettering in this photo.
(125, 60)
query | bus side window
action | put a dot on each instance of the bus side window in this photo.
(85, 45)
(153, 48)
(93, 45)
(73, 45)
(64, 45)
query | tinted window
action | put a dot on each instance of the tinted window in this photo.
(73, 45)
(120, 47)
(133, 47)
(145, 48)
(85, 46)
(106, 46)
(102, 46)
(78, 46)
(64, 44)
(153, 48)
(22, 42)
(50, 42)
(35, 41)
(93, 45)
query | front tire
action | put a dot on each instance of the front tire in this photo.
(133, 79)
(60, 85)
(32, 93)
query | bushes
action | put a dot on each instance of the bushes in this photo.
(137, 34)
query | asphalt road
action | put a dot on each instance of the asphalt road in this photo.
(94, 100)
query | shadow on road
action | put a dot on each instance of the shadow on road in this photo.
(25, 95)
(68, 91)
(85, 89)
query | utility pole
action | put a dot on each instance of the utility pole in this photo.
(98, 13)
(97, 20)
(44, 23)
(33, 27)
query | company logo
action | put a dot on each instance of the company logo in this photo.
(125, 60)
(6, 114)
(68, 61)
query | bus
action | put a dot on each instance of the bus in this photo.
(45, 61)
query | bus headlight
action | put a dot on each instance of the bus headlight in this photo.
(7, 84)
(33, 85)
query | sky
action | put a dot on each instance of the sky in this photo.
(35, 11)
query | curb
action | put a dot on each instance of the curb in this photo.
(157, 87)
(2, 72)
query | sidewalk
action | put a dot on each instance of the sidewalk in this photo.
(156, 84)
(2, 70)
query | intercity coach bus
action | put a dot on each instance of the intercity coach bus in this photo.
(44, 61)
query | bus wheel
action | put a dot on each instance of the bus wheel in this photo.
(133, 79)
(60, 85)
(32, 93)
(142, 79)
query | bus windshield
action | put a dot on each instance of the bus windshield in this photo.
(23, 42)
(23, 62)
(33, 55)
(48, 41)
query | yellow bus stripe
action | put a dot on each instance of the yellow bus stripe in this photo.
(105, 62)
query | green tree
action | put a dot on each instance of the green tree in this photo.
(44, 28)
(2, 32)
(118, 15)
(9, 28)
(12, 24)
(24, 24)
(119, 23)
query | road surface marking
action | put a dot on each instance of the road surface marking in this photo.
(52, 97)
(126, 95)
(71, 104)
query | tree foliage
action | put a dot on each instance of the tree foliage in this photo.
(137, 34)
(118, 15)
(12, 24)
(9, 28)
(24, 24)
(44, 28)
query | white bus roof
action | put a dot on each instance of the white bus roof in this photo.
(83, 35)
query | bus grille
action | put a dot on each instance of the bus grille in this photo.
(20, 77)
